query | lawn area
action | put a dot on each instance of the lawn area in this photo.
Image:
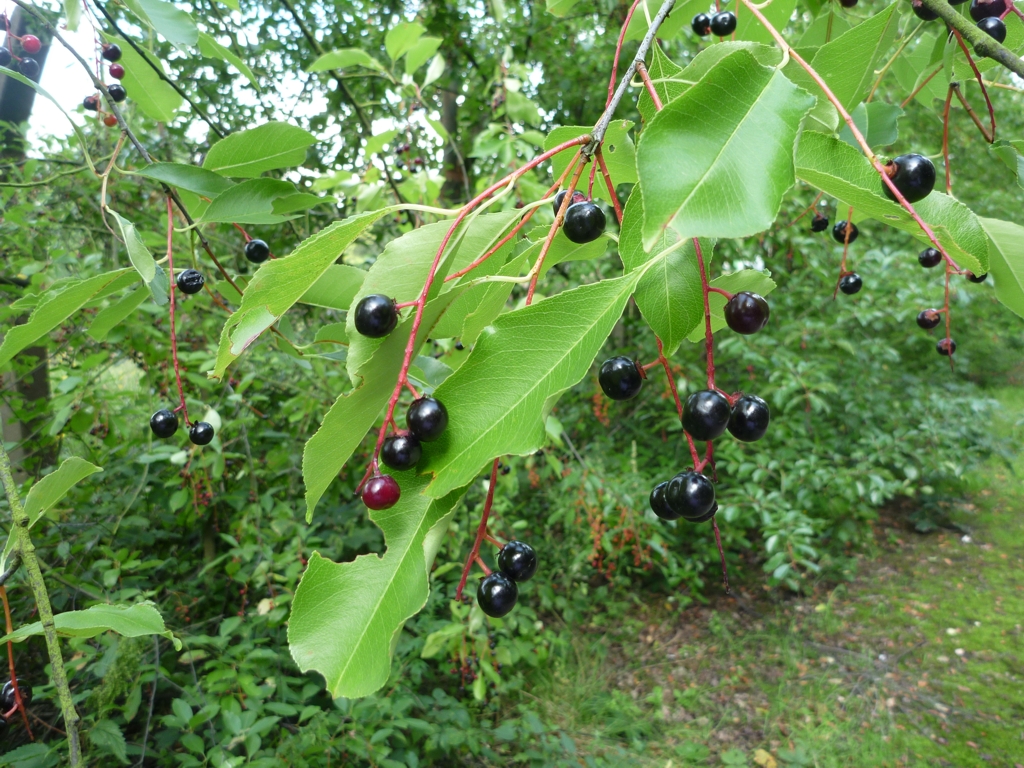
(918, 661)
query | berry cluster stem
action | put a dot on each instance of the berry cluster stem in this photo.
(19, 704)
(806, 210)
(642, 69)
(846, 251)
(945, 139)
(174, 336)
(553, 230)
(611, 187)
(990, 136)
(970, 111)
(618, 52)
(481, 531)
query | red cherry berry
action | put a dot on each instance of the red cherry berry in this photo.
(381, 492)
(31, 44)
(116, 71)
(109, 120)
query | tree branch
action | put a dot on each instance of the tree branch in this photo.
(982, 43)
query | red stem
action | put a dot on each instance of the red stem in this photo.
(945, 139)
(618, 52)
(721, 554)
(552, 232)
(174, 337)
(244, 233)
(807, 210)
(970, 111)
(609, 185)
(481, 530)
(671, 379)
(917, 90)
(981, 83)
(709, 338)
(649, 86)
(10, 663)
(725, 293)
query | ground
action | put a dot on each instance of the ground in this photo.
(918, 661)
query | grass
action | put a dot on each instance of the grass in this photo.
(919, 661)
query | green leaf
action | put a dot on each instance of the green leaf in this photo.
(827, 25)
(421, 53)
(751, 280)
(106, 736)
(247, 154)
(154, 96)
(877, 121)
(344, 58)
(749, 28)
(402, 38)
(346, 616)
(138, 253)
(374, 144)
(73, 13)
(840, 170)
(211, 49)
(916, 63)
(498, 399)
(54, 307)
(682, 13)
(194, 179)
(703, 163)
(169, 20)
(336, 287)
(560, 8)
(1006, 261)
(438, 641)
(48, 492)
(353, 413)
(127, 620)
(250, 202)
(1012, 154)
(521, 109)
(619, 153)
(280, 283)
(434, 71)
(115, 314)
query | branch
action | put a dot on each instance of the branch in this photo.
(19, 529)
(982, 43)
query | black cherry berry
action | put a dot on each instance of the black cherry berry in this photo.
(584, 222)
(659, 504)
(839, 231)
(819, 223)
(376, 316)
(91, 103)
(945, 347)
(257, 251)
(912, 175)
(117, 92)
(164, 423)
(201, 433)
(381, 492)
(111, 52)
(977, 278)
(723, 24)
(701, 24)
(401, 452)
(577, 197)
(31, 44)
(929, 318)
(749, 420)
(746, 313)
(994, 28)
(985, 9)
(497, 595)
(8, 699)
(848, 3)
(929, 257)
(850, 284)
(427, 418)
(706, 415)
(518, 561)
(29, 68)
(190, 281)
(620, 378)
(691, 495)
(5, 57)
(924, 14)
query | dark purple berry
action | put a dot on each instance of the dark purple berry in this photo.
(376, 316)
(29, 68)
(984, 9)
(659, 504)
(620, 378)
(117, 92)
(706, 415)
(994, 28)
(7, 698)
(977, 278)
(257, 251)
(497, 595)
(427, 418)
(381, 492)
(31, 44)
(91, 103)
(116, 71)
(749, 420)
(518, 561)
(577, 197)
(190, 281)
(701, 24)
(848, 3)
(746, 312)
(723, 24)
(164, 423)
(819, 223)
(924, 14)
(850, 284)
(839, 231)
(401, 452)
(111, 52)
(945, 347)
(201, 433)
(584, 222)
(929, 257)
(912, 175)
(5, 57)
(929, 318)
(691, 495)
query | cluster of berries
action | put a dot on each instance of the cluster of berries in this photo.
(498, 592)
(30, 45)
(987, 14)
(721, 24)
(92, 103)
(930, 318)
(584, 220)
(415, 163)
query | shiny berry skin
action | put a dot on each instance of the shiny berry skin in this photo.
(117, 92)
(706, 415)
(29, 68)
(659, 504)
(518, 561)
(850, 284)
(164, 423)
(497, 595)
(577, 197)
(257, 251)
(701, 24)
(746, 313)
(977, 278)
(7, 698)
(376, 316)
(929, 257)
(912, 175)
(31, 44)
(111, 52)
(945, 347)
(116, 71)
(929, 318)
(381, 492)
(994, 28)
(91, 103)
(620, 378)
(5, 57)
(190, 281)
(839, 231)
(201, 433)
(749, 420)
(401, 452)
(690, 495)
(924, 14)
(109, 120)
(819, 223)
(427, 418)
(584, 222)
(723, 23)
(985, 9)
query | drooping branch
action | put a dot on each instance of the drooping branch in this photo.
(980, 41)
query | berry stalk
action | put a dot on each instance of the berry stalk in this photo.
(566, 200)
(945, 138)
(618, 52)
(642, 69)
(10, 662)
(611, 187)
(970, 111)
(481, 531)
(174, 336)
(991, 136)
